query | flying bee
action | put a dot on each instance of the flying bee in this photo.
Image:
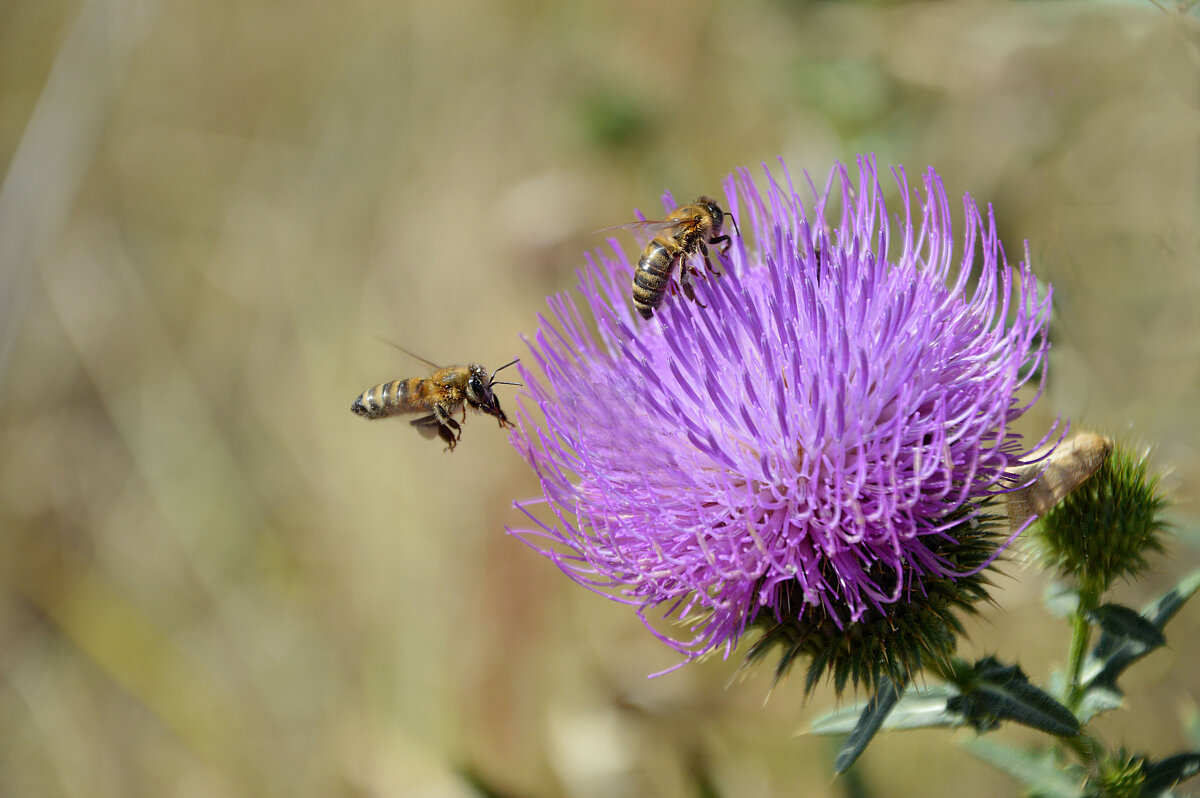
(687, 231)
(441, 395)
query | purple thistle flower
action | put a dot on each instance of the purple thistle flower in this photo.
(813, 446)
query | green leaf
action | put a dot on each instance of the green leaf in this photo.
(1118, 622)
(1166, 773)
(997, 692)
(839, 721)
(872, 718)
(922, 708)
(1164, 609)
(1095, 700)
(1098, 699)
(1120, 646)
(1061, 599)
(926, 709)
(1040, 771)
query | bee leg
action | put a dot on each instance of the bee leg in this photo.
(722, 240)
(450, 432)
(685, 280)
(447, 434)
(708, 263)
(444, 416)
(500, 417)
(448, 428)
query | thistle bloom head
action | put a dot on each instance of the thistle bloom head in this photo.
(813, 450)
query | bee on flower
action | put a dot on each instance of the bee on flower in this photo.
(815, 455)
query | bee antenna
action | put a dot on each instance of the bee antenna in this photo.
(492, 379)
(495, 382)
(735, 226)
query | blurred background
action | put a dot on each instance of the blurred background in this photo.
(216, 581)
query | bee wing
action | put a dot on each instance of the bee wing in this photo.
(413, 355)
(427, 426)
(650, 225)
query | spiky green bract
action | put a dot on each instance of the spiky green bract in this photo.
(1105, 528)
(895, 640)
(1121, 776)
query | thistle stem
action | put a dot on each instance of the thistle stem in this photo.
(1081, 632)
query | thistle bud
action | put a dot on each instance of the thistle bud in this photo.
(1103, 530)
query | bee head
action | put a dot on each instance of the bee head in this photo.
(479, 391)
(718, 216)
(714, 211)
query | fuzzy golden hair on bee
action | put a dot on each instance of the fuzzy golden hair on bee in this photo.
(448, 391)
(686, 232)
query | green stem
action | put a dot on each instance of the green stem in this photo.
(1081, 632)
(1086, 747)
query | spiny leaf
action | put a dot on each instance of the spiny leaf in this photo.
(1166, 773)
(1096, 700)
(997, 692)
(872, 718)
(1115, 651)
(1165, 607)
(918, 709)
(1061, 599)
(1040, 771)
(1119, 623)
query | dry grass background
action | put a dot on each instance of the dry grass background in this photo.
(215, 581)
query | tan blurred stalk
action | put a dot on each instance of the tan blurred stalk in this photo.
(56, 149)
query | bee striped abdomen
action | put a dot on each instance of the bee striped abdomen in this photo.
(688, 232)
(652, 276)
(385, 400)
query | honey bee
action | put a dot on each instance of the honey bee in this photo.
(687, 231)
(442, 394)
